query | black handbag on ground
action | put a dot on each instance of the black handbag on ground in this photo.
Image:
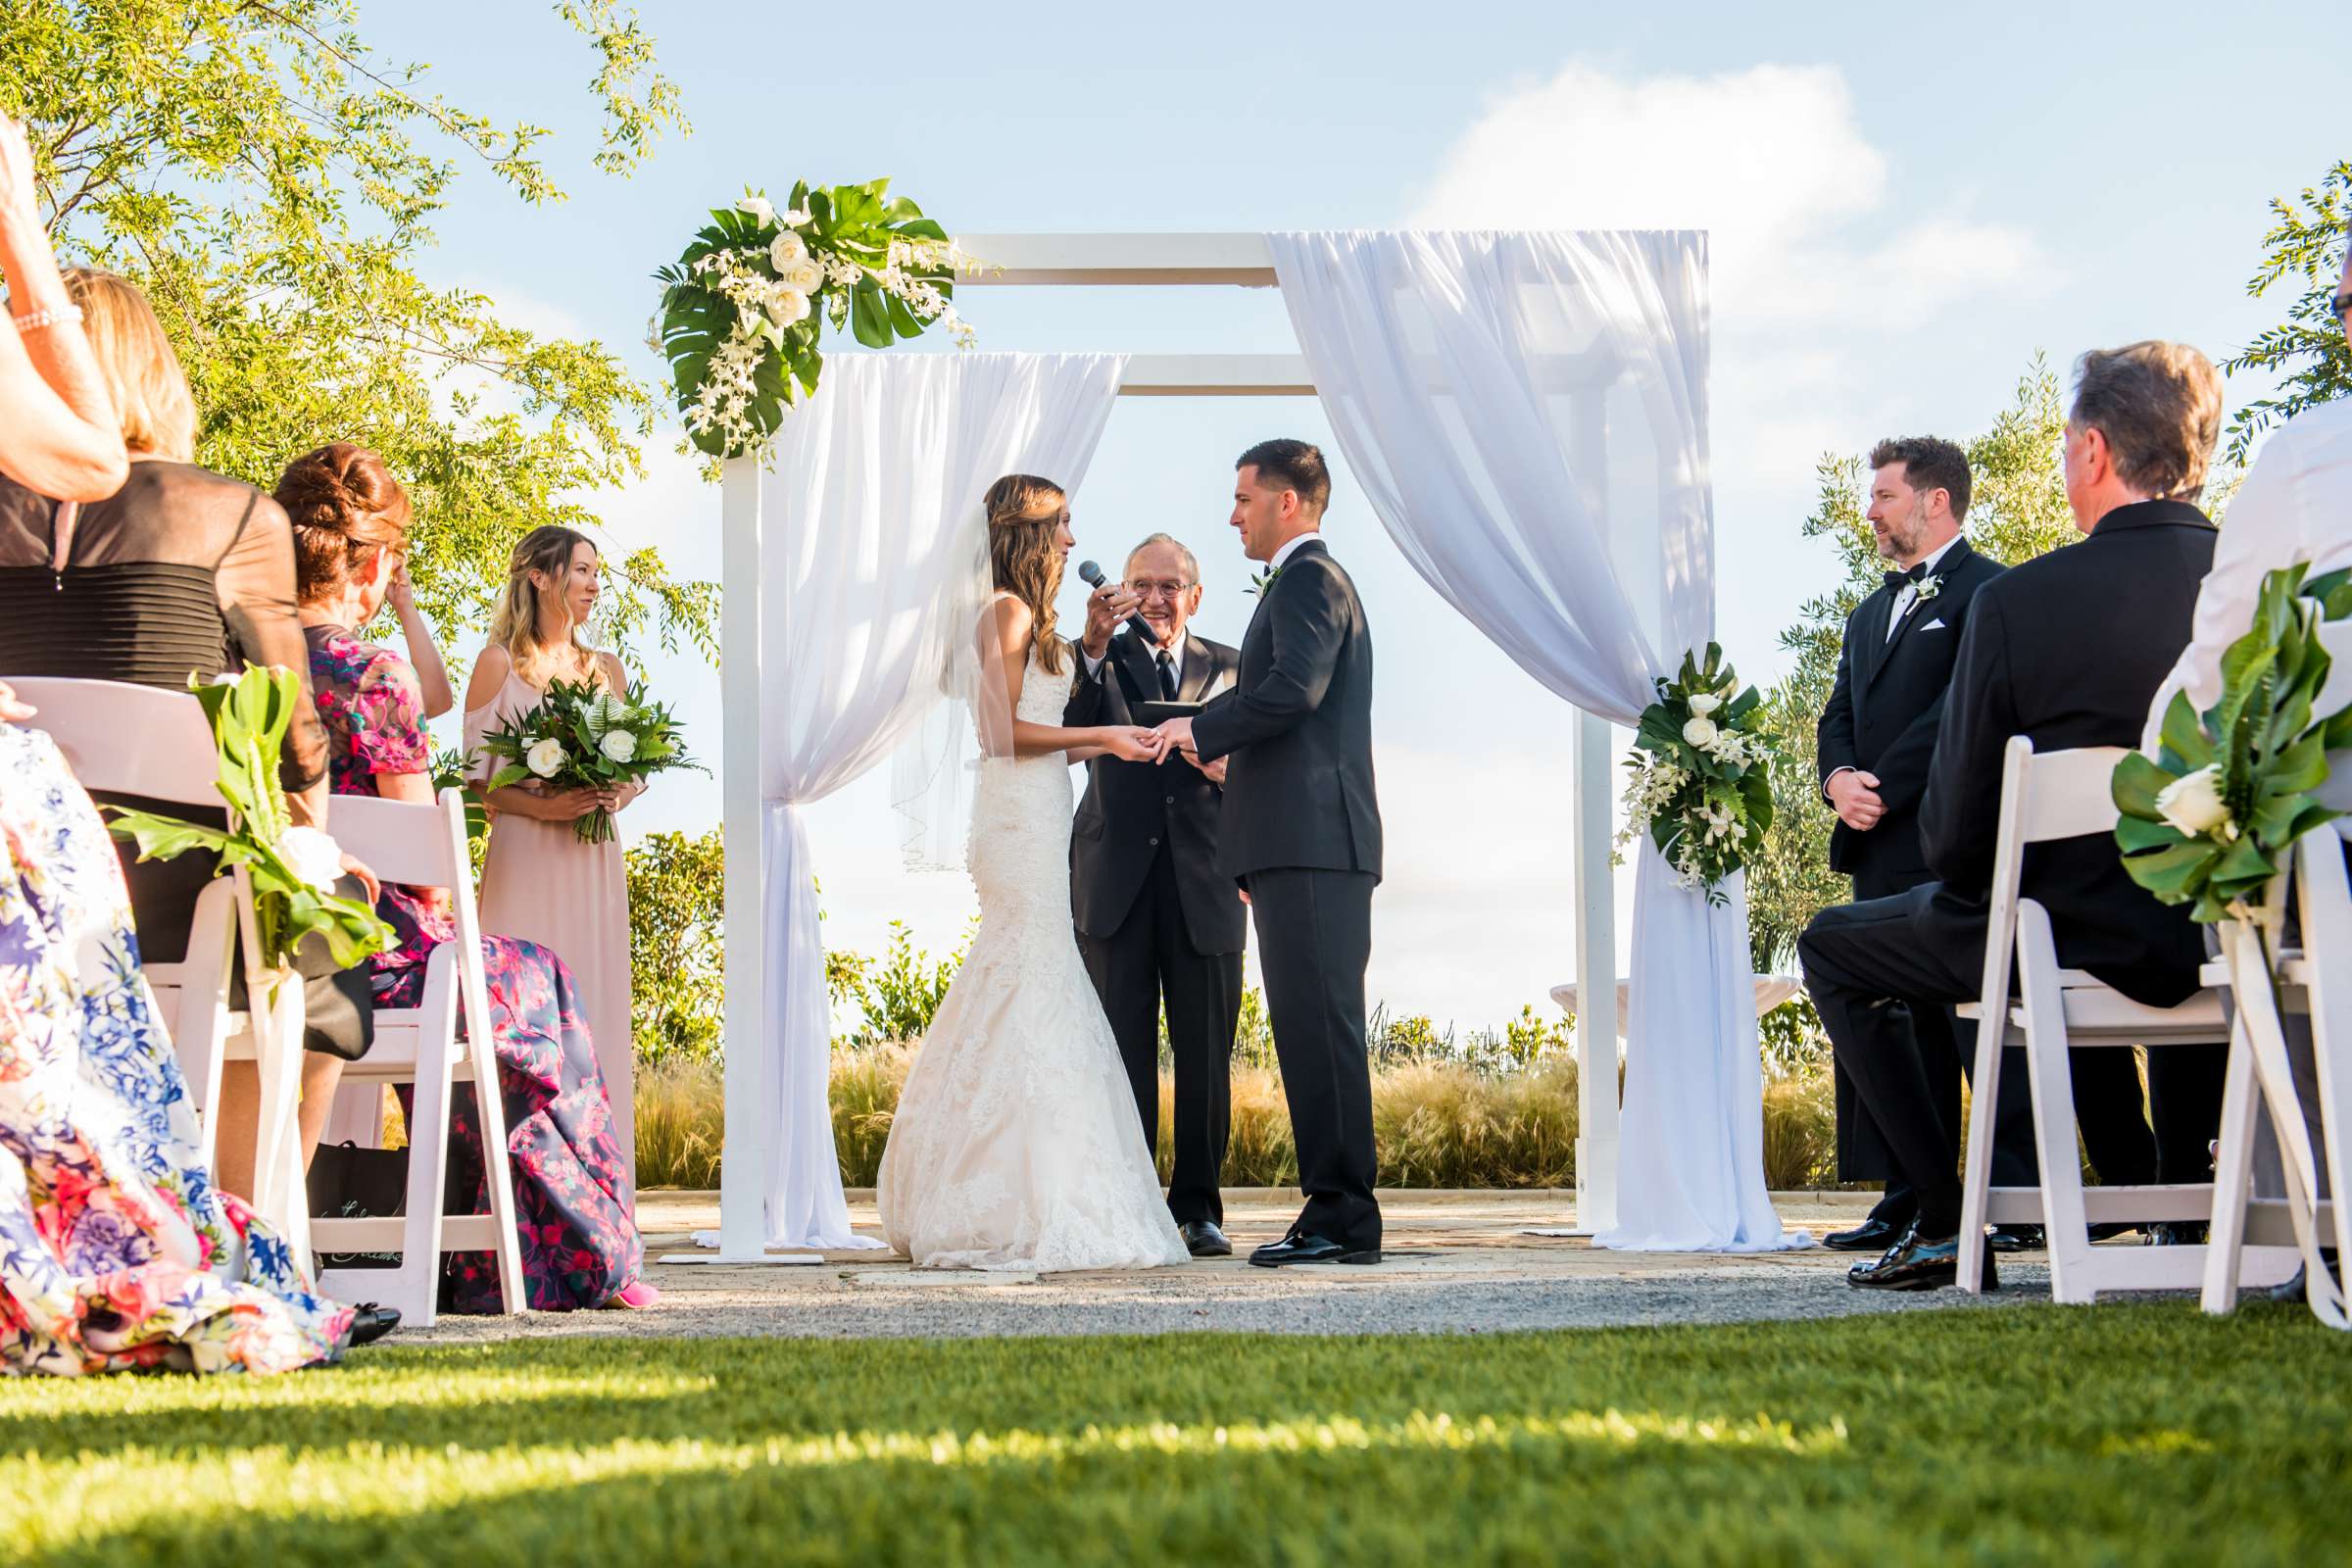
(348, 1182)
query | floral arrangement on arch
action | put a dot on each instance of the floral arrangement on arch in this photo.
(745, 304)
(1701, 779)
(2208, 821)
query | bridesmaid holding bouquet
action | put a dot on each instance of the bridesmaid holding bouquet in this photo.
(541, 882)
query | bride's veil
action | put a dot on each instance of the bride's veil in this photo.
(936, 770)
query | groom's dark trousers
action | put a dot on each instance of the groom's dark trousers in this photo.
(1301, 832)
(1158, 925)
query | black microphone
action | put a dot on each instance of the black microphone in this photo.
(1136, 623)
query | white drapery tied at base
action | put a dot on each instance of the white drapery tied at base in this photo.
(875, 556)
(1489, 390)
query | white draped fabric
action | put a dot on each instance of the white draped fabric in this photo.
(1526, 412)
(876, 538)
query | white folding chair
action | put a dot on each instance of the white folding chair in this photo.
(2044, 796)
(424, 847)
(2313, 980)
(138, 740)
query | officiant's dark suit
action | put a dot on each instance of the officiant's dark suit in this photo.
(2066, 649)
(1882, 719)
(1302, 834)
(1155, 918)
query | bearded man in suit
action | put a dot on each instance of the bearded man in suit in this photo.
(1876, 740)
(1158, 923)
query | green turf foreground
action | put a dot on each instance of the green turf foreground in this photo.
(2138, 1434)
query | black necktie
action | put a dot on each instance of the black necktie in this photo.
(1167, 676)
(1897, 581)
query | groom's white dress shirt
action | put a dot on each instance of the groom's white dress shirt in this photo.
(1291, 549)
(2296, 504)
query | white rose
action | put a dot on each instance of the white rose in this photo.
(786, 305)
(758, 207)
(1703, 705)
(803, 274)
(618, 745)
(788, 250)
(1699, 732)
(314, 857)
(545, 757)
(2194, 802)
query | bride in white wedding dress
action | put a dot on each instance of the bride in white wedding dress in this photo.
(1016, 1143)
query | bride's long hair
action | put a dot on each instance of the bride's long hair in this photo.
(1024, 515)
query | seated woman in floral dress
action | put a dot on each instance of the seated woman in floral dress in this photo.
(116, 1251)
(573, 1194)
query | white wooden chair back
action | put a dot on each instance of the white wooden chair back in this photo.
(138, 740)
(2047, 796)
(424, 847)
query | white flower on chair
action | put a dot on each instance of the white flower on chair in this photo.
(2192, 803)
(313, 856)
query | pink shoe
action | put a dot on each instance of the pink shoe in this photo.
(636, 1296)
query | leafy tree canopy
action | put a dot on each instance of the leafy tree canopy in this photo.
(273, 183)
(2304, 247)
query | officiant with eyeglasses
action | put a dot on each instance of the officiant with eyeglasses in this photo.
(1155, 921)
(1876, 742)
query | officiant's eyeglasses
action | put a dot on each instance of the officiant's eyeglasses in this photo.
(1168, 589)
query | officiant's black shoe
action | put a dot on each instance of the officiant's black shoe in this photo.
(2296, 1291)
(1300, 1247)
(370, 1323)
(1204, 1239)
(2014, 1237)
(1918, 1263)
(1872, 1235)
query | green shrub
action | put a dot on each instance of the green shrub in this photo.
(677, 945)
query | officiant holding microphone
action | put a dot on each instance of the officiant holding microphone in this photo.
(1155, 921)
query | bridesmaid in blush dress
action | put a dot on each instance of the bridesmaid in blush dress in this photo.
(541, 882)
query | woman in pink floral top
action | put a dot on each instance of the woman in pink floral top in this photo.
(572, 1192)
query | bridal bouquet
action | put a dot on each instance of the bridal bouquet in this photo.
(741, 315)
(1702, 784)
(2208, 821)
(584, 737)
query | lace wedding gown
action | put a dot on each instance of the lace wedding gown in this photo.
(1016, 1143)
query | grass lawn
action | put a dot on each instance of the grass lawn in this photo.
(2135, 1433)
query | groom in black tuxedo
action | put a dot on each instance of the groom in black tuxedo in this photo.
(1155, 918)
(1301, 832)
(1876, 740)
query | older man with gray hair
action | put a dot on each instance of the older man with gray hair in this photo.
(1155, 921)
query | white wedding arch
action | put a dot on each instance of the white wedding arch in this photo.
(1527, 413)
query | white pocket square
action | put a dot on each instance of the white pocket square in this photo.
(1935, 626)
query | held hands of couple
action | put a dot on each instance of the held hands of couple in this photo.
(1853, 795)
(1176, 735)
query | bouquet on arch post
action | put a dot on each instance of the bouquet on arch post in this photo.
(582, 736)
(1702, 784)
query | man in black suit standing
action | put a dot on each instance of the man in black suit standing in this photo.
(1877, 738)
(1302, 834)
(1155, 918)
(2066, 649)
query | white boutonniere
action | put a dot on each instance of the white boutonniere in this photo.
(1263, 581)
(1925, 589)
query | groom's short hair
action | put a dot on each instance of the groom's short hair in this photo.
(1930, 462)
(1287, 465)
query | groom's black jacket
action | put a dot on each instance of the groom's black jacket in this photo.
(1884, 714)
(1131, 808)
(1298, 792)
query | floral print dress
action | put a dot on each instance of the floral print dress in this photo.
(573, 1194)
(115, 1249)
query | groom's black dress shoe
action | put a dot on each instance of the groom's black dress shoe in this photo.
(1872, 1235)
(1202, 1238)
(370, 1323)
(1301, 1247)
(1918, 1263)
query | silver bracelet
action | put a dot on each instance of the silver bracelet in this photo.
(34, 321)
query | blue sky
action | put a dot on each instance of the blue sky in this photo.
(1905, 210)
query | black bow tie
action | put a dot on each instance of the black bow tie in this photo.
(1897, 581)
